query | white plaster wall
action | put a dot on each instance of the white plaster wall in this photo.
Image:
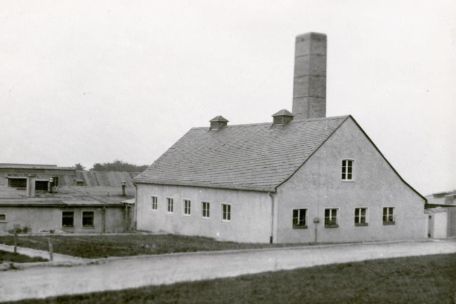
(250, 213)
(439, 223)
(39, 219)
(318, 185)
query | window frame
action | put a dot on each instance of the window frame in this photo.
(206, 212)
(389, 216)
(360, 216)
(226, 214)
(3, 218)
(154, 203)
(346, 169)
(334, 223)
(92, 225)
(170, 203)
(297, 218)
(187, 209)
(72, 219)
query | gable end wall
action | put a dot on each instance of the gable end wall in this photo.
(317, 185)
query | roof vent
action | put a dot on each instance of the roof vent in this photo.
(282, 117)
(218, 122)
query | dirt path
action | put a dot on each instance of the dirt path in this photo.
(131, 272)
(41, 253)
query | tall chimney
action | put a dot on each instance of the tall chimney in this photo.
(309, 85)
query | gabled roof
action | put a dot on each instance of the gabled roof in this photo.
(256, 157)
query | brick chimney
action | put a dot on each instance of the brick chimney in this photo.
(309, 83)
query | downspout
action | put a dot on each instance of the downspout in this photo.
(103, 218)
(271, 236)
(135, 221)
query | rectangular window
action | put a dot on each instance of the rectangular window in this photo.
(170, 205)
(388, 216)
(2, 217)
(154, 203)
(347, 169)
(360, 216)
(205, 207)
(187, 207)
(87, 219)
(299, 218)
(331, 218)
(67, 219)
(226, 212)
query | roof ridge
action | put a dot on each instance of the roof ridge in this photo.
(270, 123)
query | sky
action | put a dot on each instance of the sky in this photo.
(97, 81)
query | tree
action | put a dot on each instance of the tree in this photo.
(118, 165)
(78, 166)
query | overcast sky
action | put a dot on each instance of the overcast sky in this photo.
(94, 81)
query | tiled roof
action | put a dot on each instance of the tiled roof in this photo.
(33, 166)
(255, 157)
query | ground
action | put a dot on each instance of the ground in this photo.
(98, 246)
(17, 258)
(111, 274)
(428, 279)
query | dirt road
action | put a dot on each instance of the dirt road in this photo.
(131, 272)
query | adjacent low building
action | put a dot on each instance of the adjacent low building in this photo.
(441, 210)
(64, 216)
(73, 209)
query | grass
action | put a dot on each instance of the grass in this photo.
(98, 246)
(427, 279)
(18, 258)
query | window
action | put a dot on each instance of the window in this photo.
(87, 219)
(226, 212)
(331, 218)
(17, 182)
(67, 218)
(187, 207)
(170, 205)
(205, 207)
(360, 216)
(388, 216)
(154, 203)
(347, 169)
(299, 218)
(2, 217)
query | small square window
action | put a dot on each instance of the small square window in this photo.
(154, 203)
(205, 207)
(67, 219)
(331, 218)
(2, 217)
(299, 218)
(187, 207)
(388, 216)
(226, 212)
(347, 169)
(87, 218)
(360, 216)
(170, 205)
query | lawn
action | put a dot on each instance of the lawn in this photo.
(18, 258)
(428, 279)
(98, 246)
